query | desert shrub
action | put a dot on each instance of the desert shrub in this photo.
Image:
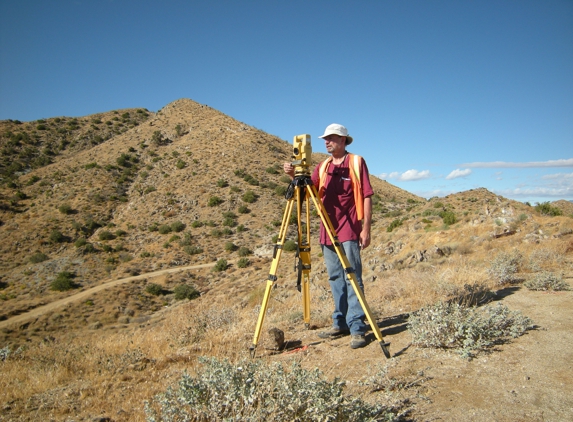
(184, 291)
(243, 209)
(229, 222)
(504, 266)
(243, 263)
(290, 246)
(281, 190)
(449, 217)
(38, 257)
(63, 282)
(240, 228)
(214, 201)
(154, 289)
(285, 179)
(545, 208)
(244, 251)
(88, 248)
(164, 229)
(120, 233)
(192, 250)
(222, 183)
(439, 205)
(230, 247)
(255, 390)
(106, 235)
(546, 280)
(57, 236)
(221, 265)
(249, 197)
(467, 329)
(80, 242)
(195, 224)
(180, 164)
(393, 225)
(177, 226)
(65, 209)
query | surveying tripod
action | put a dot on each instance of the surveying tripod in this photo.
(300, 190)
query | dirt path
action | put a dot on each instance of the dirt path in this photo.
(527, 379)
(40, 310)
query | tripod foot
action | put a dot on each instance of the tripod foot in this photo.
(384, 347)
(253, 350)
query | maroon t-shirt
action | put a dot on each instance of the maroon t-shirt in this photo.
(338, 200)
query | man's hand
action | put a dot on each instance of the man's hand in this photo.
(289, 169)
(364, 239)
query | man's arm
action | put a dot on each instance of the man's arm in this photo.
(366, 223)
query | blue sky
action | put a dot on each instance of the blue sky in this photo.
(440, 96)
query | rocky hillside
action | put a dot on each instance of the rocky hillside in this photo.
(129, 191)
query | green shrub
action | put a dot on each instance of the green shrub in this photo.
(546, 280)
(243, 263)
(106, 235)
(120, 233)
(230, 247)
(229, 222)
(65, 209)
(222, 183)
(393, 225)
(57, 237)
(256, 390)
(164, 229)
(38, 257)
(221, 265)
(244, 251)
(290, 246)
(214, 201)
(449, 217)
(196, 224)
(63, 282)
(281, 190)
(184, 291)
(249, 197)
(154, 289)
(80, 242)
(467, 329)
(177, 226)
(545, 208)
(243, 209)
(181, 164)
(192, 250)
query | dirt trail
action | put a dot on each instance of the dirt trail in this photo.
(530, 378)
(40, 310)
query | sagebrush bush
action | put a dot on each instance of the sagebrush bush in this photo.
(504, 266)
(546, 280)
(184, 291)
(154, 289)
(257, 391)
(465, 328)
(63, 282)
(243, 263)
(221, 265)
(38, 257)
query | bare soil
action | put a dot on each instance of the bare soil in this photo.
(529, 378)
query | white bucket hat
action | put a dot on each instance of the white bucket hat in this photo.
(336, 129)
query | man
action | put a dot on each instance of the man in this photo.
(343, 185)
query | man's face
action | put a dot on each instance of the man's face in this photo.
(335, 143)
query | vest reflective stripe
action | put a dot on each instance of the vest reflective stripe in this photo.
(355, 167)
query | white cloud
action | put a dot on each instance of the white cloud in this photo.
(531, 164)
(558, 176)
(458, 173)
(407, 176)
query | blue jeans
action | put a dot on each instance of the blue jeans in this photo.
(348, 312)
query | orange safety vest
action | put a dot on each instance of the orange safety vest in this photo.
(355, 167)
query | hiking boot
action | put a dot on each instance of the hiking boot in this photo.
(357, 341)
(334, 332)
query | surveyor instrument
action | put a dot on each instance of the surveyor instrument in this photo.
(302, 190)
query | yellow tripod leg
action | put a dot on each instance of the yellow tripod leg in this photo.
(272, 274)
(348, 269)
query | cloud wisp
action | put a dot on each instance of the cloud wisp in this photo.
(529, 164)
(458, 173)
(407, 176)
